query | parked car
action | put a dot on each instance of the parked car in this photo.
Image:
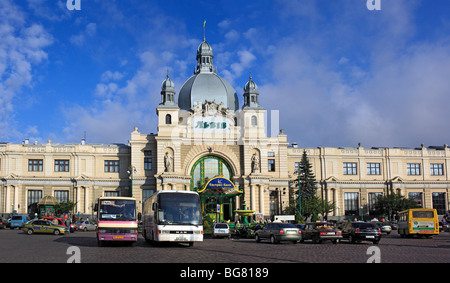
(43, 226)
(394, 225)
(384, 227)
(18, 221)
(444, 226)
(60, 222)
(85, 225)
(277, 232)
(221, 230)
(361, 231)
(2, 223)
(321, 231)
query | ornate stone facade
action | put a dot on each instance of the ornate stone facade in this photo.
(204, 135)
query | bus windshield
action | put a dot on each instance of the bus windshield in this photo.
(423, 214)
(179, 208)
(117, 210)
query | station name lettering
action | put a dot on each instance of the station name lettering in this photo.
(210, 125)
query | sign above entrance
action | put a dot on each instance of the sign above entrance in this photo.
(211, 125)
(219, 182)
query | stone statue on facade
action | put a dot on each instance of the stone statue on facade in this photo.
(168, 162)
(255, 163)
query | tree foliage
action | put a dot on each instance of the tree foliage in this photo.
(392, 204)
(64, 207)
(307, 178)
(311, 204)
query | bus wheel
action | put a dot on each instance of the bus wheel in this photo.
(191, 244)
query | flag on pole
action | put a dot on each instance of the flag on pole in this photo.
(204, 32)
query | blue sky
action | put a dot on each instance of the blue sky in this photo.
(338, 73)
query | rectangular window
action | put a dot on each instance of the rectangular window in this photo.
(417, 197)
(34, 196)
(111, 166)
(297, 166)
(35, 165)
(350, 168)
(271, 154)
(413, 169)
(271, 165)
(61, 165)
(146, 193)
(147, 163)
(111, 194)
(437, 169)
(373, 198)
(439, 202)
(373, 169)
(351, 203)
(62, 196)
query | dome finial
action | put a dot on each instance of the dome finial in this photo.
(204, 30)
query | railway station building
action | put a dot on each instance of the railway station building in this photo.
(205, 139)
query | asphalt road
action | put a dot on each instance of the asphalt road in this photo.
(18, 247)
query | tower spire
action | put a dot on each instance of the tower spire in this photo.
(204, 30)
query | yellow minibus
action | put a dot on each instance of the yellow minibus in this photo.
(418, 221)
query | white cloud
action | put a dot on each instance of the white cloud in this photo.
(89, 33)
(22, 46)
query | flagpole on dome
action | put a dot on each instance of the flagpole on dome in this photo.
(204, 31)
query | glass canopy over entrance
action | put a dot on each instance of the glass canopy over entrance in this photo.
(217, 200)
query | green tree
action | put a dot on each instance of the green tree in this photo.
(64, 207)
(307, 178)
(392, 204)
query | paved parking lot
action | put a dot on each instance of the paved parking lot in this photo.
(17, 246)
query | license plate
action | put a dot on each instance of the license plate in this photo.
(292, 232)
(118, 237)
(370, 237)
(331, 233)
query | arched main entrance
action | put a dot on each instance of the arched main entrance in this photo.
(216, 202)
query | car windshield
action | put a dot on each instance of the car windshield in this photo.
(363, 225)
(221, 225)
(117, 210)
(286, 225)
(179, 208)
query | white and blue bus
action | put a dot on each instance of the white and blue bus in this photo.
(173, 216)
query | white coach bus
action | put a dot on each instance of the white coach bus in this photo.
(173, 216)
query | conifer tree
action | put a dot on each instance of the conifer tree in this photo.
(307, 178)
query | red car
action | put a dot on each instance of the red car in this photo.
(60, 222)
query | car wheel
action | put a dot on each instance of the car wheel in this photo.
(30, 231)
(273, 240)
(257, 238)
(350, 239)
(56, 232)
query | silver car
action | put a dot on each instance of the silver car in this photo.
(86, 225)
(277, 232)
(221, 230)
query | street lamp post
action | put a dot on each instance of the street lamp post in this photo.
(362, 216)
(299, 195)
